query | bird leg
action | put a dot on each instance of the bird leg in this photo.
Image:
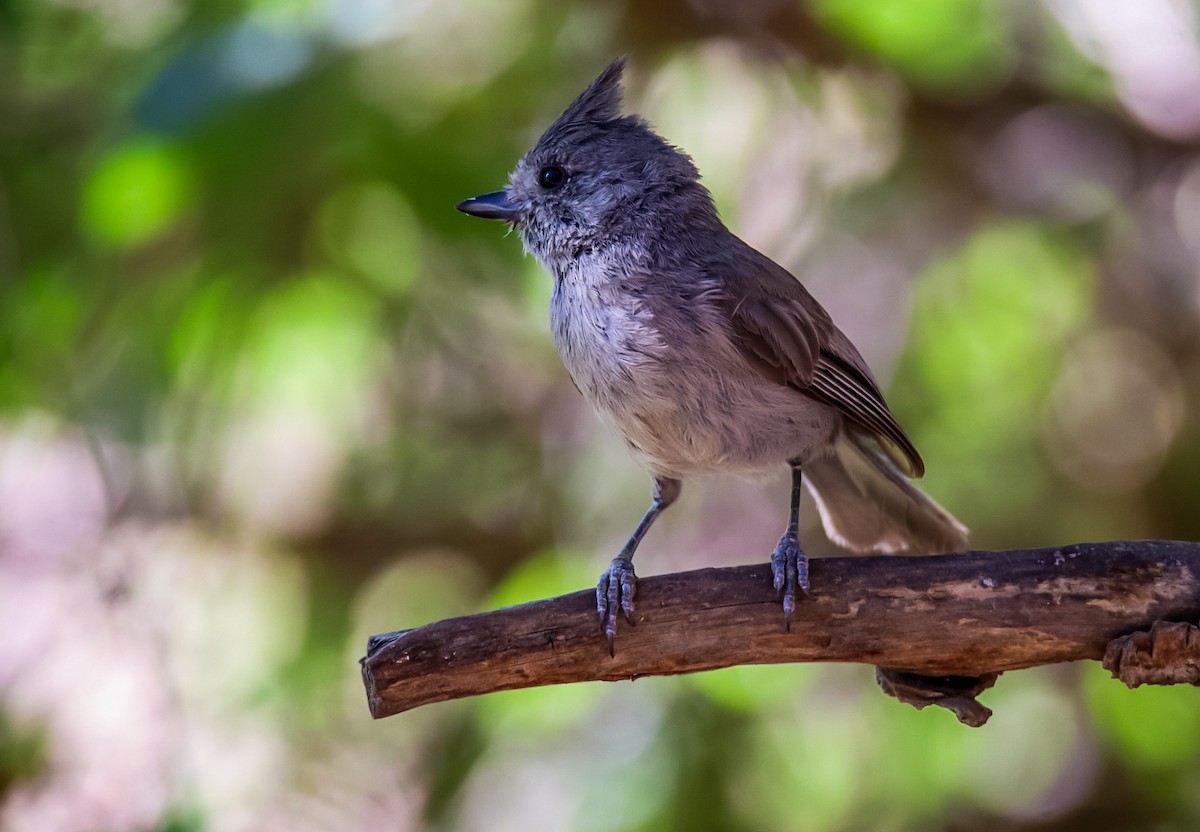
(789, 564)
(618, 583)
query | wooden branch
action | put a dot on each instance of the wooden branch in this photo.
(968, 615)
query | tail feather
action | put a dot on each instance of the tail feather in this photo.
(868, 505)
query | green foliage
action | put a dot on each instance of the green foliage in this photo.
(1156, 730)
(136, 192)
(22, 753)
(959, 46)
(990, 324)
(264, 393)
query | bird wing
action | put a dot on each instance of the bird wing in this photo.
(789, 338)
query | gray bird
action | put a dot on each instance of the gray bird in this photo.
(702, 353)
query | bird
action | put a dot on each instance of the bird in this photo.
(703, 354)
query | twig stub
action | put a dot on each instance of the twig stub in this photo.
(1167, 654)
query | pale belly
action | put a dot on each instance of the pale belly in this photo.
(690, 406)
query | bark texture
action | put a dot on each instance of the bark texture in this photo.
(941, 627)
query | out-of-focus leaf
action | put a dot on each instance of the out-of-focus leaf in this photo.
(310, 345)
(989, 328)
(951, 45)
(136, 192)
(545, 574)
(370, 228)
(40, 324)
(1154, 729)
(753, 688)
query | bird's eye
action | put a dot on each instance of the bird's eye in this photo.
(551, 177)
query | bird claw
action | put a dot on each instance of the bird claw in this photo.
(615, 591)
(789, 568)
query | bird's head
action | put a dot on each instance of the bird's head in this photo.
(593, 177)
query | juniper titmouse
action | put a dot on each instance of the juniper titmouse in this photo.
(701, 352)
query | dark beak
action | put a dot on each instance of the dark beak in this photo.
(493, 206)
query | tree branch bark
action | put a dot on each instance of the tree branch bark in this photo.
(964, 616)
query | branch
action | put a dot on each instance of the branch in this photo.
(963, 618)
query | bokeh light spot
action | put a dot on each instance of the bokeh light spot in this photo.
(1114, 411)
(1154, 729)
(371, 228)
(950, 45)
(137, 192)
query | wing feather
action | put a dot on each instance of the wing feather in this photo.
(790, 339)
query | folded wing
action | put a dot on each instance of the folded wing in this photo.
(790, 339)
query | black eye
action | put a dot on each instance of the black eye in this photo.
(551, 177)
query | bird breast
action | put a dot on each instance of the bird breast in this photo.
(607, 340)
(674, 386)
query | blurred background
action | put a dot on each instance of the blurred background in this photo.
(263, 392)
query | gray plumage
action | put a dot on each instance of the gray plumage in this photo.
(703, 354)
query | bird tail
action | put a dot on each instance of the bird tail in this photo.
(867, 505)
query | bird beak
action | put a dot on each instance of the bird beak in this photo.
(493, 206)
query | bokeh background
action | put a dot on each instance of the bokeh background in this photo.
(263, 392)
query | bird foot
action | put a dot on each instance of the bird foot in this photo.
(789, 567)
(615, 591)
